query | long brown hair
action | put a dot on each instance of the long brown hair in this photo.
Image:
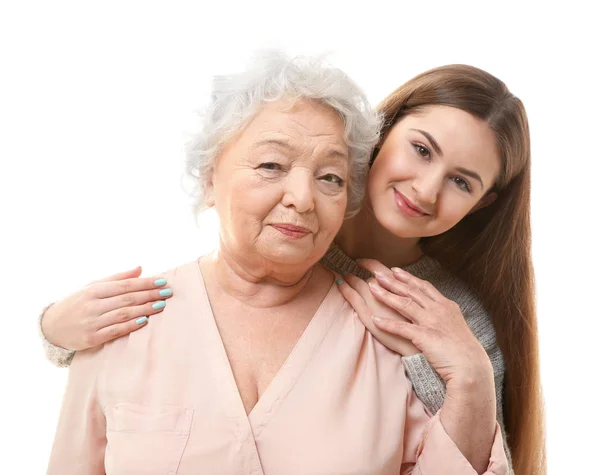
(491, 248)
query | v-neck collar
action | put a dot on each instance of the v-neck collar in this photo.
(287, 375)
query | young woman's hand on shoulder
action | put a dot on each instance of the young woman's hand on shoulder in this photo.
(357, 292)
(104, 310)
(402, 308)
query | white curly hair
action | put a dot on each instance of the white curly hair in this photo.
(273, 76)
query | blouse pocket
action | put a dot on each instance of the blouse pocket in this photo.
(147, 440)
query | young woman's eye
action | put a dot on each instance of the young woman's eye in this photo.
(331, 178)
(422, 151)
(270, 166)
(462, 183)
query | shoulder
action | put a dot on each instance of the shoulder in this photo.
(184, 280)
(153, 352)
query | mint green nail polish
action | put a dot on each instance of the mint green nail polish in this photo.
(166, 292)
(339, 282)
(160, 282)
(159, 305)
(141, 320)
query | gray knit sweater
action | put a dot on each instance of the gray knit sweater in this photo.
(427, 384)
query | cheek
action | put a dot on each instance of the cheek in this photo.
(376, 184)
(251, 197)
(452, 209)
(387, 170)
(330, 213)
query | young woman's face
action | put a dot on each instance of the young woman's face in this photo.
(433, 168)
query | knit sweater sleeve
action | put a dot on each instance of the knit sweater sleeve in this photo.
(57, 355)
(427, 383)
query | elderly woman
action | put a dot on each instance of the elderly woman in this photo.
(272, 371)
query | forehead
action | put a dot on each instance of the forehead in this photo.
(466, 141)
(303, 122)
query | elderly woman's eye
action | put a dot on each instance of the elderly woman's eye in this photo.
(270, 166)
(331, 178)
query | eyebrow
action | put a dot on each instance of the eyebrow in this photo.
(438, 149)
(472, 174)
(331, 152)
(277, 142)
(433, 142)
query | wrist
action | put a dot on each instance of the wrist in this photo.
(46, 324)
(471, 396)
(475, 382)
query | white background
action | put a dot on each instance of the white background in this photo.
(94, 97)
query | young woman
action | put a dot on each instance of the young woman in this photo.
(447, 201)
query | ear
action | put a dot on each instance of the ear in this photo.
(485, 201)
(209, 191)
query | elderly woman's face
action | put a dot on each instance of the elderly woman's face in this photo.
(280, 186)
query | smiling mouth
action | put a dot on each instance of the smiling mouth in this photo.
(407, 207)
(290, 230)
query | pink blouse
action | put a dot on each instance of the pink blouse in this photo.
(163, 401)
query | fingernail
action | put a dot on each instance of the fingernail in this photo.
(160, 282)
(141, 320)
(374, 286)
(377, 319)
(339, 282)
(397, 269)
(158, 305)
(166, 292)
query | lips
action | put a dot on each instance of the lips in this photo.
(291, 230)
(407, 207)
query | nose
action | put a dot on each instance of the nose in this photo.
(299, 191)
(427, 186)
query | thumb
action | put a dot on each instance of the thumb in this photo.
(401, 328)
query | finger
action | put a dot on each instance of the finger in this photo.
(373, 266)
(128, 314)
(362, 288)
(365, 315)
(382, 273)
(353, 297)
(128, 274)
(358, 284)
(132, 299)
(415, 283)
(111, 289)
(118, 330)
(406, 330)
(405, 306)
(402, 289)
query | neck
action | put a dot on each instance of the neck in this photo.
(363, 237)
(256, 285)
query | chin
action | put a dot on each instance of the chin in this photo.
(292, 256)
(402, 230)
